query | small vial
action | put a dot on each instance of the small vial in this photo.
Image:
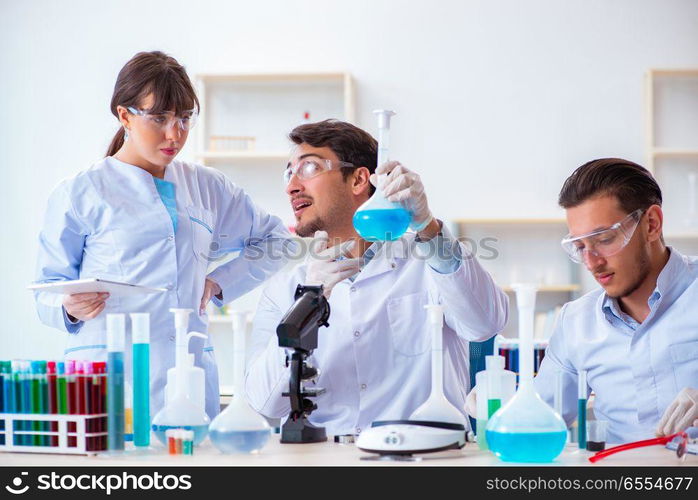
(178, 441)
(171, 446)
(188, 443)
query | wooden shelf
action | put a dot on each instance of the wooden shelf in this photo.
(670, 152)
(550, 288)
(688, 72)
(681, 236)
(243, 155)
(273, 77)
(325, 95)
(484, 222)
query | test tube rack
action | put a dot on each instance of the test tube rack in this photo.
(72, 436)
(509, 349)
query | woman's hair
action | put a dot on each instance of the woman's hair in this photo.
(152, 73)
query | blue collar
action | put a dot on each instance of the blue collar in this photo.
(671, 283)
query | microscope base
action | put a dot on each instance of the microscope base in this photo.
(302, 431)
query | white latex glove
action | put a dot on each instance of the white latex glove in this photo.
(471, 403)
(404, 187)
(680, 414)
(325, 266)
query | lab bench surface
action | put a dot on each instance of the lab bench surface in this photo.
(331, 454)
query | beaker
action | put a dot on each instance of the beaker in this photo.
(596, 435)
(526, 429)
(379, 219)
(238, 428)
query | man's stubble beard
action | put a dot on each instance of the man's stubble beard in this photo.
(642, 264)
(336, 218)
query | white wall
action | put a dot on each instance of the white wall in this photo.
(498, 100)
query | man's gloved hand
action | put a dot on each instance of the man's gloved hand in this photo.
(471, 403)
(404, 187)
(680, 414)
(325, 267)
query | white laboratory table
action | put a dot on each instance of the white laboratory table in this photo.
(332, 454)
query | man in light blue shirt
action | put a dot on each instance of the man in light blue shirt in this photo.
(636, 336)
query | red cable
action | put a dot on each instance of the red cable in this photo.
(637, 444)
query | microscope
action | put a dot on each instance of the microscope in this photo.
(298, 330)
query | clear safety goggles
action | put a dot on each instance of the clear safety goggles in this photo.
(603, 242)
(312, 167)
(163, 121)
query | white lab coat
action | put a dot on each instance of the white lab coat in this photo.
(109, 222)
(374, 358)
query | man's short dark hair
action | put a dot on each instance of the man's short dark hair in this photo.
(632, 185)
(348, 142)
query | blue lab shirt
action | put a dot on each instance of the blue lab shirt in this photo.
(635, 369)
(166, 190)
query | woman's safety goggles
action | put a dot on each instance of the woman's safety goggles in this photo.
(163, 121)
(312, 167)
(603, 242)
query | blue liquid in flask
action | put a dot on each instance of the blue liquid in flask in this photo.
(200, 432)
(383, 224)
(527, 446)
(240, 441)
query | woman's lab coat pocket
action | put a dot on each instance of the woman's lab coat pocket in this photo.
(684, 358)
(201, 221)
(408, 325)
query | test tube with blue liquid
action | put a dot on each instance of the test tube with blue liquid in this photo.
(140, 334)
(116, 334)
(582, 409)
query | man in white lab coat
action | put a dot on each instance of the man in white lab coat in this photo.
(374, 358)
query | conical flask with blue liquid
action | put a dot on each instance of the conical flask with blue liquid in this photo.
(239, 429)
(379, 219)
(526, 429)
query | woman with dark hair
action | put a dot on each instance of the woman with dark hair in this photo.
(140, 216)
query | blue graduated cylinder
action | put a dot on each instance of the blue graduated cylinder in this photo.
(381, 224)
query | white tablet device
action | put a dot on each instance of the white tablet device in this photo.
(91, 285)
